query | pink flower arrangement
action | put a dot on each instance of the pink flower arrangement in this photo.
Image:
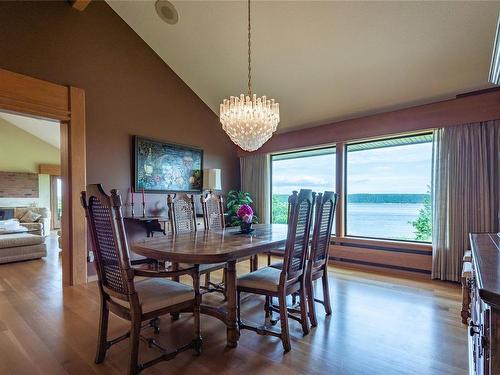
(245, 213)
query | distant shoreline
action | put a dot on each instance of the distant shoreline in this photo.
(376, 198)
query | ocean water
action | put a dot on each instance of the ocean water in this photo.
(382, 220)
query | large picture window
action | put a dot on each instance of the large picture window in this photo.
(311, 169)
(388, 184)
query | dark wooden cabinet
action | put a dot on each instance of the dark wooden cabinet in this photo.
(484, 323)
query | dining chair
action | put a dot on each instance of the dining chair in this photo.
(121, 293)
(317, 260)
(279, 249)
(317, 263)
(213, 212)
(183, 220)
(272, 282)
(213, 215)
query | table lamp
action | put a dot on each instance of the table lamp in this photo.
(212, 180)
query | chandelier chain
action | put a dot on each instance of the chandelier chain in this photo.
(249, 54)
(248, 120)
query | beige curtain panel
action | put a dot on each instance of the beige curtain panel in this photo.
(254, 171)
(465, 191)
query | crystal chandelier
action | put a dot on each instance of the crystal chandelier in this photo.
(248, 120)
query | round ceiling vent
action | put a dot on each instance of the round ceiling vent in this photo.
(167, 12)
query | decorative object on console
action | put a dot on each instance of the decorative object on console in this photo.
(143, 204)
(166, 167)
(248, 120)
(245, 214)
(212, 180)
(132, 202)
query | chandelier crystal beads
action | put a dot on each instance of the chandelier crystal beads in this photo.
(249, 120)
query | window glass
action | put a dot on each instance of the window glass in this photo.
(388, 184)
(312, 169)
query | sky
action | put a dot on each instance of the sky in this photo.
(402, 169)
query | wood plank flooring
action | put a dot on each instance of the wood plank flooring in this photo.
(380, 325)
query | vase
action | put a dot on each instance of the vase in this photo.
(246, 227)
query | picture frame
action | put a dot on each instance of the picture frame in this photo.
(166, 167)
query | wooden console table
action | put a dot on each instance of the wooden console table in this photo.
(484, 325)
(151, 224)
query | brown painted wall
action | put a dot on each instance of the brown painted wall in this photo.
(129, 89)
(464, 109)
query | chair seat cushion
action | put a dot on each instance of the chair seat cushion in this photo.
(205, 268)
(267, 278)
(158, 293)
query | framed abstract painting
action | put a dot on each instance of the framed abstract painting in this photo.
(162, 167)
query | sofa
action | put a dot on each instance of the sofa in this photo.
(21, 246)
(41, 226)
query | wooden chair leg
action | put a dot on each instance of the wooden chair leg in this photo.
(303, 310)
(175, 267)
(207, 280)
(102, 341)
(269, 258)
(238, 304)
(285, 334)
(326, 293)
(310, 302)
(196, 314)
(135, 331)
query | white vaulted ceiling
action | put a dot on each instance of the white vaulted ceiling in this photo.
(324, 61)
(46, 130)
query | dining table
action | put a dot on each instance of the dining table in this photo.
(216, 246)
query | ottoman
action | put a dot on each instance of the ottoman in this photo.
(21, 246)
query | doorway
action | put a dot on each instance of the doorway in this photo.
(24, 95)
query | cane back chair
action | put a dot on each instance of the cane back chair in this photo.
(273, 282)
(317, 260)
(317, 264)
(134, 300)
(182, 216)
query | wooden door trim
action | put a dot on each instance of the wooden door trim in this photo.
(50, 169)
(37, 98)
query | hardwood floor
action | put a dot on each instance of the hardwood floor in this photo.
(380, 325)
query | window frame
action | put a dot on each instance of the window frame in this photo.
(340, 235)
(272, 155)
(345, 191)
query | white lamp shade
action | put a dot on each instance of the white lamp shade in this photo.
(212, 179)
